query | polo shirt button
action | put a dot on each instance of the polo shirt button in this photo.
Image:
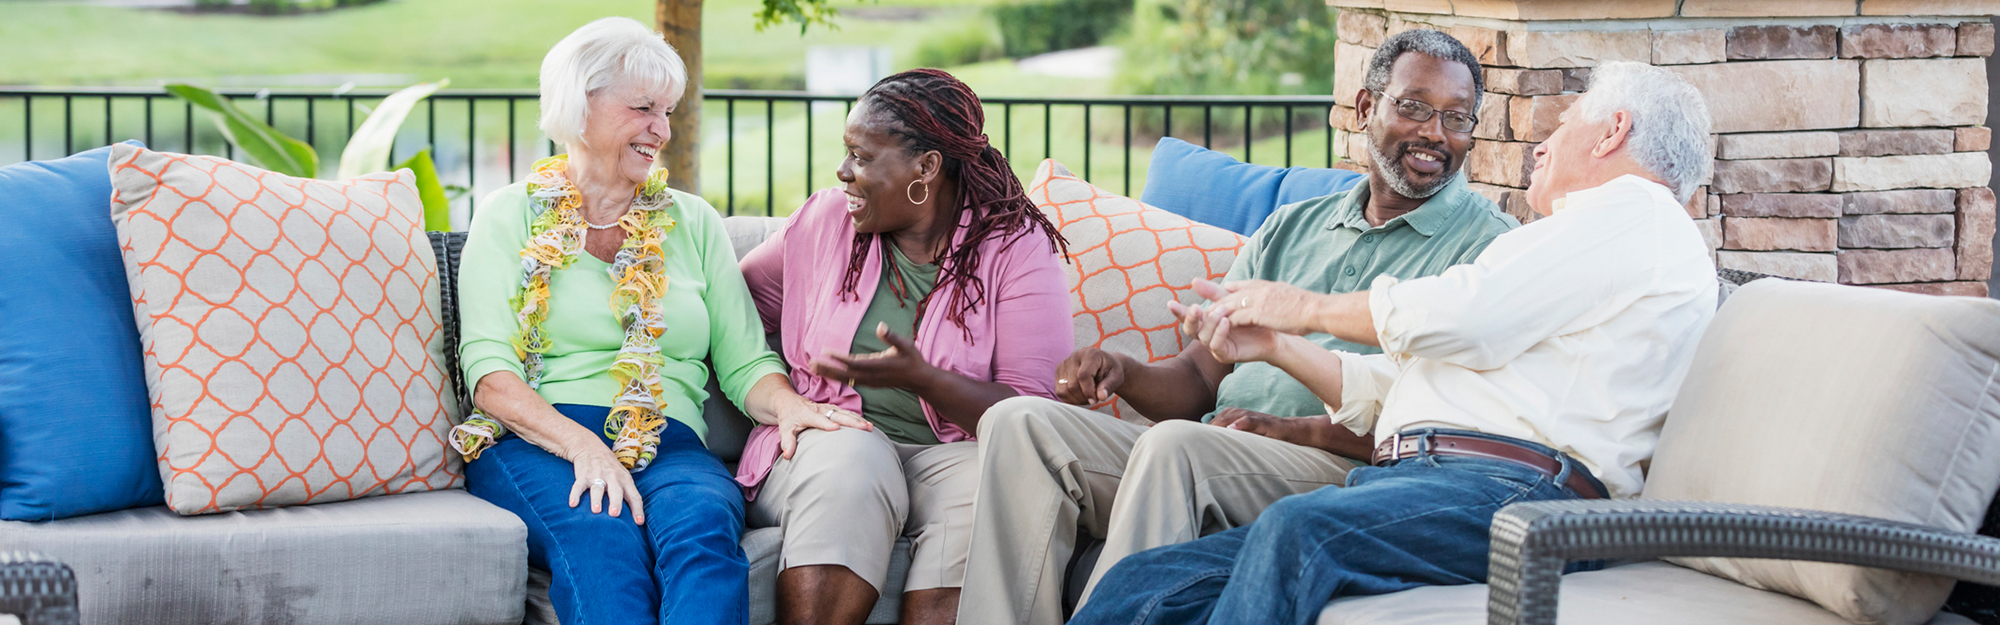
(1349, 271)
(1368, 238)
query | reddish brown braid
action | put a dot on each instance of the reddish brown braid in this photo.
(931, 110)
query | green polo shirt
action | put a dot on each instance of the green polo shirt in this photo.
(1326, 245)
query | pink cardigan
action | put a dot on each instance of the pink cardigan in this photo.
(795, 278)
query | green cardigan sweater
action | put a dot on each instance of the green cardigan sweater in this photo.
(709, 312)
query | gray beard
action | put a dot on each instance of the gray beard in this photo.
(1399, 178)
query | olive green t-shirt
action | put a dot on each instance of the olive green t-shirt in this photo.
(1326, 245)
(897, 412)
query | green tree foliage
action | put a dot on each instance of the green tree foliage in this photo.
(805, 13)
(1243, 47)
(1030, 27)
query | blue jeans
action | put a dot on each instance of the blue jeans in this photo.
(1421, 521)
(685, 565)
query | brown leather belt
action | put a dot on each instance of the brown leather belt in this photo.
(1399, 447)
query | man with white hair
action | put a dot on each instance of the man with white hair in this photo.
(1540, 371)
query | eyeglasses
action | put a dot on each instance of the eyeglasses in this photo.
(1417, 111)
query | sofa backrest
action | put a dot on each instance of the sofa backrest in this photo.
(1844, 399)
(728, 428)
(1216, 189)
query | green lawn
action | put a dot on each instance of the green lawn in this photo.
(476, 43)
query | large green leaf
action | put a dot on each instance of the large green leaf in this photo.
(437, 208)
(269, 148)
(368, 150)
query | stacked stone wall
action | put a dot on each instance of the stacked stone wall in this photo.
(1849, 146)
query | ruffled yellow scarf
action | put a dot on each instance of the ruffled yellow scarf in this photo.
(555, 238)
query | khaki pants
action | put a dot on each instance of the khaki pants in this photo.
(1051, 472)
(845, 496)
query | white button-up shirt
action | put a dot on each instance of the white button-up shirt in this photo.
(1573, 331)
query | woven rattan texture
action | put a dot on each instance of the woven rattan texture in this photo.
(449, 247)
(1532, 542)
(37, 590)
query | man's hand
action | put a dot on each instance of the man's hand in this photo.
(1317, 432)
(1227, 341)
(1264, 304)
(1088, 376)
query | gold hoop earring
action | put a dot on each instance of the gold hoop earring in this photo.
(911, 190)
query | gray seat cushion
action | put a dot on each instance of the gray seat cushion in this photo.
(762, 547)
(1647, 593)
(441, 557)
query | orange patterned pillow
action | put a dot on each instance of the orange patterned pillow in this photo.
(293, 345)
(1127, 260)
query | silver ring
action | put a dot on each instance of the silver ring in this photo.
(829, 413)
(597, 483)
(1063, 381)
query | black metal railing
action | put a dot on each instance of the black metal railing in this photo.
(762, 151)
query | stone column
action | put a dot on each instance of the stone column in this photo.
(1850, 139)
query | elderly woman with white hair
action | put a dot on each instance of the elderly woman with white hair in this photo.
(1541, 371)
(591, 295)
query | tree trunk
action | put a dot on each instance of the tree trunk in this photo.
(680, 21)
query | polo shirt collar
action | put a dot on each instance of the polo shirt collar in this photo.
(1426, 220)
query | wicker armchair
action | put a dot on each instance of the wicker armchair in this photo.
(1826, 461)
(1533, 541)
(36, 591)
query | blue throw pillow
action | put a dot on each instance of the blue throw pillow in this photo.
(1218, 190)
(76, 429)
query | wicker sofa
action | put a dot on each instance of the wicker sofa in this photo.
(448, 557)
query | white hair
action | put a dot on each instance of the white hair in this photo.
(1670, 123)
(603, 52)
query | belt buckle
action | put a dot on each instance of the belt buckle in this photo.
(1395, 447)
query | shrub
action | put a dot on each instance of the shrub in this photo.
(974, 42)
(1031, 27)
(1240, 47)
(287, 7)
(1229, 47)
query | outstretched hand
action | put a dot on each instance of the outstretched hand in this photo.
(1264, 304)
(900, 366)
(1228, 342)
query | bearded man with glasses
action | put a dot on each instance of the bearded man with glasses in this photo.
(1056, 475)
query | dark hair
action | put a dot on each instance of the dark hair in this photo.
(1428, 42)
(928, 110)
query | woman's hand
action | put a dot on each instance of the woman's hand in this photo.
(802, 415)
(773, 402)
(600, 473)
(1264, 304)
(900, 366)
(503, 396)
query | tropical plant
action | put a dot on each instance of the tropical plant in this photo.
(367, 151)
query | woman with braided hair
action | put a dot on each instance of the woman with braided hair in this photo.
(922, 291)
